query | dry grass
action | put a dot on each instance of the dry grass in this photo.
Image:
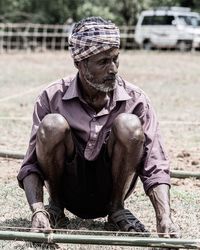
(172, 81)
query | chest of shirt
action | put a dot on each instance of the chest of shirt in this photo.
(84, 121)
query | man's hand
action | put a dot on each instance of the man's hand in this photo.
(160, 198)
(40, 220)
(167, 229)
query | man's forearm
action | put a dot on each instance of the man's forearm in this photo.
(160, 198)
(33, 188)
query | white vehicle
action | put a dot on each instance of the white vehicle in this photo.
(174, 27)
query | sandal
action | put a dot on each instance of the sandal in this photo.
(124, 220)
(57, 216)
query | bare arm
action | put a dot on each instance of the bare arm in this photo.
(160, 198)
(33, 188)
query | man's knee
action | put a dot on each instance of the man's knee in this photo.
(53, 128)
(127, 129)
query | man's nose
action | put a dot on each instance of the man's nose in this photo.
(113, 69)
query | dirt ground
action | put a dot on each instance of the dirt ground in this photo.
(171, 80)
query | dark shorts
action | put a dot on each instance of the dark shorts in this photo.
(87, 185)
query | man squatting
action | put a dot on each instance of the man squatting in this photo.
(92, 136)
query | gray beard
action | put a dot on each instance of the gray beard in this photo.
(103, 87)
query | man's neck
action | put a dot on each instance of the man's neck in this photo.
(95, 98)
(98, 101)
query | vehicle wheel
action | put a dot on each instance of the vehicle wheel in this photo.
(147, 45)
(183, 46)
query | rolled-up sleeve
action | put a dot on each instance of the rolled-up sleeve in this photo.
(155, 169)
(30, 164)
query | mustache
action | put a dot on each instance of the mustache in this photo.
(110, 78)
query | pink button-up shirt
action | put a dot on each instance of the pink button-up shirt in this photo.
(91, 129)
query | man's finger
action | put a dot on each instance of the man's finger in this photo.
(41, 229)
(164, 234)
(175, 231)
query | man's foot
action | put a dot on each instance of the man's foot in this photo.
(57, 216)
(124, 220)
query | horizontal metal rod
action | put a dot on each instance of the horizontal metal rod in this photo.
(184, 174)
(100, 240)
(13, 155)
(173, 173)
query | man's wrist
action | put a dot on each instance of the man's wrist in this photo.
(43, 211)
(162, 217)
(37, 206)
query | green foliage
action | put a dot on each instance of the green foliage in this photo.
(88, 9)
(14, 11)
(158, 3)
(59, 11)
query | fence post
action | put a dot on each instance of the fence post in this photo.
(1, 37)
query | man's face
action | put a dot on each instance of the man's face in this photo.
(101, 69)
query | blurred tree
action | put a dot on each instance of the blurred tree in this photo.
(122, 12)
(186, 3)
(168, 3)
(58, 11)
(39, 11)
(54, 11)
(14, 10)
(196, 5)
(90, 9)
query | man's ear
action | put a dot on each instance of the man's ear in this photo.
(76, 64)
(81, 66)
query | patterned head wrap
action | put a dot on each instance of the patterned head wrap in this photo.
(91, 36)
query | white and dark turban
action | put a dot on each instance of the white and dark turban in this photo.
(91, 36)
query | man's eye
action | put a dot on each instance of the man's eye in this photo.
(104, 61)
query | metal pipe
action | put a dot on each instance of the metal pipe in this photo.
(100, 240)
(13, 155)
(184, 174)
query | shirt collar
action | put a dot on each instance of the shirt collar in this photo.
(72, 91)
(119, 93)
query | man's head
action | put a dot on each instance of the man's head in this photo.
(91, 36)
(94, 46)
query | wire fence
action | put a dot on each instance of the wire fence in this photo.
(42, 37)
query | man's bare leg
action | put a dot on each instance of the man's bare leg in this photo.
(125, 147)
(54, 146)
